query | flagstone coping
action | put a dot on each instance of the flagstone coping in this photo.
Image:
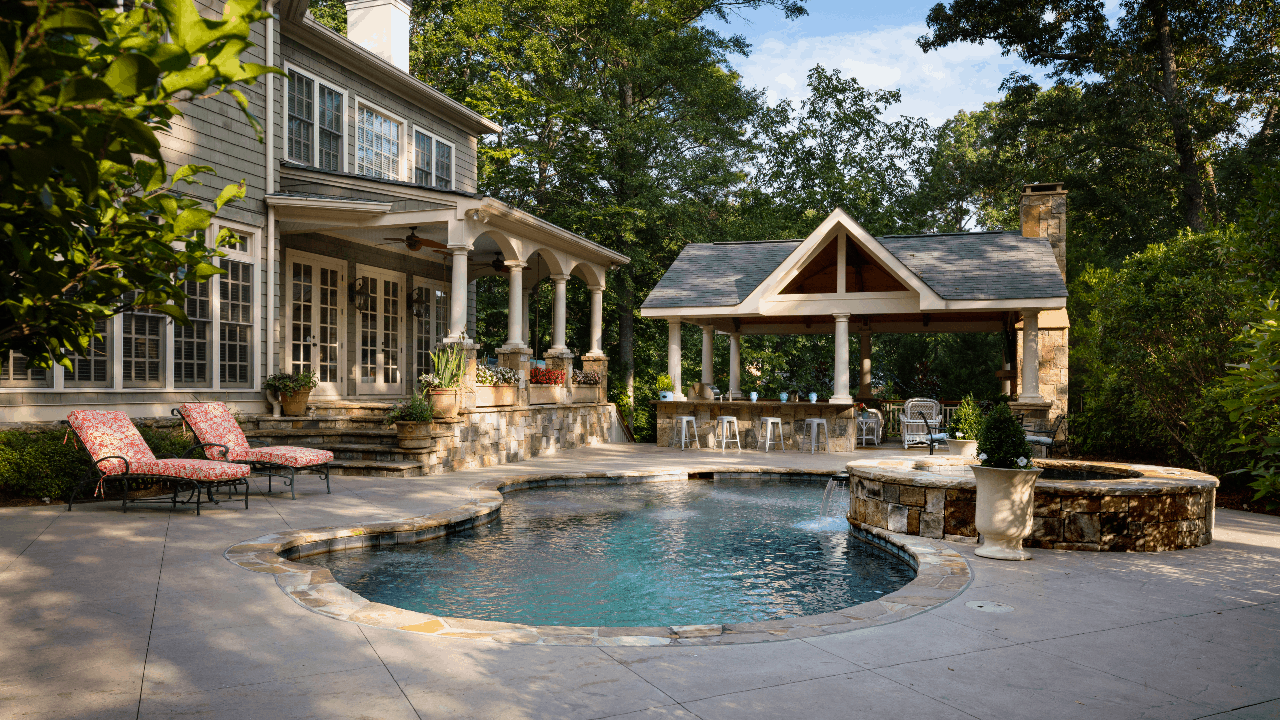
(941, 573)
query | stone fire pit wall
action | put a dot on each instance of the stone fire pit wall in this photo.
(1143, 509)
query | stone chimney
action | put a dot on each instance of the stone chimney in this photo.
(1044, 215)
(381, 26)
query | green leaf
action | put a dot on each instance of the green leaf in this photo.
(131, 74)
(142, 137)
(192, 220)
(77, 21)
(235, 191)
(173, 311)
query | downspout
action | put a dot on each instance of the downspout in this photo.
(270, 187)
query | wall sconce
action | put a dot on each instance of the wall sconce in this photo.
(420, 303)
(358, 293)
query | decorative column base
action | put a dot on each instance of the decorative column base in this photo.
(841, 400)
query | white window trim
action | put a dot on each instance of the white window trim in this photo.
(316, 82)
(286, 314)
(248, 255)
(453, 153)
(405, 146)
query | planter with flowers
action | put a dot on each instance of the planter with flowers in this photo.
(496, 386)
(546, 387)
(586, 386)
(443, 385)
(293, 389)
(412, 418)
(966, 423)
(1006, 482)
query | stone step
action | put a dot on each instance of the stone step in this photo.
(382, 453)
(267, 422)
(324, 437)
(376, 468)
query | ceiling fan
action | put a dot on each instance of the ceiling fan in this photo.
(416, 243)
(498, 264)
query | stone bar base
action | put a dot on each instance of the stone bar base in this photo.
(841, 421)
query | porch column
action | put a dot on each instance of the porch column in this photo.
(735, 364)
(864, 374)
(1030, 356)
(458, 296)
(673, 356)
(558, 339)
(708, 345)
(841, 395)
(515, 311)
(597, 322)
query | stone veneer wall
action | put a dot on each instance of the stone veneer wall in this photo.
(495, 436)
(1155, 509)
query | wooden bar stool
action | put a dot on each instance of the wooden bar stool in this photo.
(691, 423)
(811, 426)
(722, 430)
(767, 435)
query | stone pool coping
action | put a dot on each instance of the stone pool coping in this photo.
(941, 573)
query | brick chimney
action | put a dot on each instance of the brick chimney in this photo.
(382, 27)
(1044, 215)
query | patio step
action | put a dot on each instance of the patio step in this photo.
(381, 453)
(267, 422)
(324, 437)
(376, 468)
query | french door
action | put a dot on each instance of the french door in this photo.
(380, 304)
(317, 319)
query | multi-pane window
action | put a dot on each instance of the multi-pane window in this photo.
(143, 340)
(14, 372)
(301, 117)
(93, 369)
(442, 315)
(330, 105)
(444, 166)
(191, 342)
(422, 159)
(377, 145)
(235, 323)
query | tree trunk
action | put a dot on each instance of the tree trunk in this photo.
(1183, 142)
(627, 337)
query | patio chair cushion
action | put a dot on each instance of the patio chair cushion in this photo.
(107, 433)
(204, 470)
(214, 423)
(294, 457)
(1039, 440)
(938, 437)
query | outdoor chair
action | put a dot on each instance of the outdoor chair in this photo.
(917, 413)
(1043, 438)
(121, 456)
(214, 425)
(934, 433)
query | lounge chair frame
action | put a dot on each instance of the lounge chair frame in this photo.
(131, 481)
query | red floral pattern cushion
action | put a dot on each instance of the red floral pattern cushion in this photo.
(107, 433)
(214, 423)
(205, 470)
(294, 457)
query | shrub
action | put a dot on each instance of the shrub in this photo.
(966, 421)
(415, 409)
(39, 464)
(663, 383)
(1255, 404)
(542, 376)
(1002, 442)
(290, 383)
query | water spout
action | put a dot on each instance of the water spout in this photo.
(835, 500)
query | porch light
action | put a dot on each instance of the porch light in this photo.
(357, 293)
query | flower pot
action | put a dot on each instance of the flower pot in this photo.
(495, 395)
(963, 448)
(754, 396)
(413, 435)
(668, 396)
(1005, 500)
(586, 393)
(294, 404)
(445, 402)
(813, 397)
(546, 394)
(782, 397)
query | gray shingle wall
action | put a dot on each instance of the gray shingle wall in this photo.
(717, 275)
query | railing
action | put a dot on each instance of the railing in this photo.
(893, 415)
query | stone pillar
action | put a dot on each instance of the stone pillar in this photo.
(601, 365)
(458, 296)
(515, 313)
(673, 356)
(864, 370)
(708, 348)
(841, 395)
(557, 342)
(597, 324)
(517, 359)
(1030, 356)
(735, 364)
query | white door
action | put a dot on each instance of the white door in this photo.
(380, 331)
(430, 309)
(317, 327)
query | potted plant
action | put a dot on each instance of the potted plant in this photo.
(966, 423)
(666, 390)
(293, 389)
(1006, 480)
(546, 387)
(412, 418)
(496, 386)
(586, 386)
(444, 383)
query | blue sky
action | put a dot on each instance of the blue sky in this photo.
(874, 42)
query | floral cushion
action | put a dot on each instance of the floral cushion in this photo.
(214, 423)
(107, 433)
(205, 470)
(294, 457)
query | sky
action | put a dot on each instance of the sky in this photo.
(876, 43)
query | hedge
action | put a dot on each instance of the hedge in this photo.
(40, 465)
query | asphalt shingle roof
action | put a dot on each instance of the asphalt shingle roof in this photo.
(965, 266)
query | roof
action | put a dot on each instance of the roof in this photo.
(1001, 265)
(718, 274)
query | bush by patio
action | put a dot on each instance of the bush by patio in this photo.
(40, 465)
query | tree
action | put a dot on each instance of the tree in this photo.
(93, 222)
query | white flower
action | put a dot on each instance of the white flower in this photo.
(959, 435)
(983, 456)
(1022, 462)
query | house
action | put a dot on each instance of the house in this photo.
(359, 241)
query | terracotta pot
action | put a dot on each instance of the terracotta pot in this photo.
(413, 434)
(1005, 500)
(546, 394)
(495, 395)
(963, 448)
(445, 402)
(295, 404)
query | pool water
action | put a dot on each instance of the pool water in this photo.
(651, 554)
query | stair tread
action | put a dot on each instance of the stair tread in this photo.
(305, 432)
(387, 464)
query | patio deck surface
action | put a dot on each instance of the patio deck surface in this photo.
(138, 615)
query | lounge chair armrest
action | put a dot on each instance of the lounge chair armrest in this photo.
(225, 451)
(97, 463)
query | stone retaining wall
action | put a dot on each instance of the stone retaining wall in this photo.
(495, 436)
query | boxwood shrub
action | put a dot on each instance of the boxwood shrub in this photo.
(39, 464)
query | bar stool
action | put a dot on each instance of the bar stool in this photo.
(812, 425)
(767, 435)
(686, 421)
(722, 430)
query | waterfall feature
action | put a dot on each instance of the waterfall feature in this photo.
(835, 501)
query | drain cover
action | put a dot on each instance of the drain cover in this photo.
(989, 606)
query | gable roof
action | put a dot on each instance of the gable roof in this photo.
(718, 274)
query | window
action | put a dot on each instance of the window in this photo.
(444, 166)
(431, 315)
(143, 339)
(377, 145)
(235, 327)
(301, 117)
(14, 372)
(191, 343)
(331, 111)
(94, 369)
(432, 161)
(442, 315)
(422, 159)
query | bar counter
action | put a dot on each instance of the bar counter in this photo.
(841, 421)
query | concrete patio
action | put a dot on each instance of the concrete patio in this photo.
(139, 615)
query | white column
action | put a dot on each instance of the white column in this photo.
(558, 339)
(597, 322)
(1030, 356)
(515, 312)
(735, 364)
(842, 360)
(673, 356)
(458, 296)
(864, 375)
(708, 346)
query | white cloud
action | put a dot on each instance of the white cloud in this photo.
(934, 86)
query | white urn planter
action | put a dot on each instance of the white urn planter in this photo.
(963, 448)
(1005, 500)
